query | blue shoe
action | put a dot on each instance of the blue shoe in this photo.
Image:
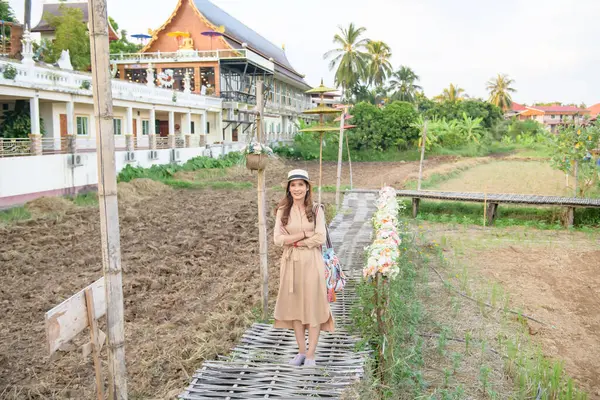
(310, 362)
(298, 360)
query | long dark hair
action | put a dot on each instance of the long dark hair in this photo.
(288, 201)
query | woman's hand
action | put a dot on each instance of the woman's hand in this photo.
(309, 233)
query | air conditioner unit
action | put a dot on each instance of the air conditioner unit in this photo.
(75, 160)
(153, 155)
(175, 155)
(130, 156)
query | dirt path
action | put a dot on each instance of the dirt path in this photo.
(551, 275)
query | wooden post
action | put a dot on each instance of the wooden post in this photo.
(570, 221)
(262, 209)
(415, 206)
(422, 155)
(107, 196)
(491, 213)
(320, 165)
(576, 176)
(94, 334)
(339, 166)
(349, 162)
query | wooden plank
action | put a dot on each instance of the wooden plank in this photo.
(69, 318)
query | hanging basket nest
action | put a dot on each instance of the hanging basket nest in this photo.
(257, 162)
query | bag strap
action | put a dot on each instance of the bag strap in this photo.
(316, 209)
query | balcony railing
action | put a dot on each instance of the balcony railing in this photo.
(79, 83)
(191, 56)
(240, 97)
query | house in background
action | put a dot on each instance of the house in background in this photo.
(552, 117)
(515, 109)
(594, 111)
(47, 32)
(202, 49)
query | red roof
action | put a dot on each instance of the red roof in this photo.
(559, 109)
(517, 107)
(595, 109)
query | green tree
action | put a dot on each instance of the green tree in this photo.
(360, 93)
(403, 84)
(399, 132)
(6, 12)
(70, 34)
(573, 146)
(349, 59)
(500, 90)
(379, 66)
(452, 110)
(368, 131)
(452, 94)
(16, 123)
(123, 44)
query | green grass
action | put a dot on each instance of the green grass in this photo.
(401, 318)
(472, 214)
(85, 199)
(434, 180)
(14, 214)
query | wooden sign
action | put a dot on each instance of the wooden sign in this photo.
(69, 318)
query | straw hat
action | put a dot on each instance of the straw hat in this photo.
(297, 174)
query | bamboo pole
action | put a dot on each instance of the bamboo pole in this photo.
(576, 176)
(339, 166)
(107, 196)
(349, 162)
(94, 334)
(320, 165)
(262, 209)
(422, 155)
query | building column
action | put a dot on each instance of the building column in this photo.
(152, 132)
(71, 118)
(171, 136)
(35, 136)
(129, 134)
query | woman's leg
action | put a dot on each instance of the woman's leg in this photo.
(313, 340)
(300, 336)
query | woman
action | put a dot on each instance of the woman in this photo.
(302, 300)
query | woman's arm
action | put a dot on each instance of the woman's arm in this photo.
(319, 236)
(281, 237)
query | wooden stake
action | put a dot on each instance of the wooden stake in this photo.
(484, 207)
(349, 162)
(94, 335)
(576, 176)
(262, 209)
(107, 196)
(422, 155)
(320, 166)
(339, 166)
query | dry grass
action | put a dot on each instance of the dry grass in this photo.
(520, 177)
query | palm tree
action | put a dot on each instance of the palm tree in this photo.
(379, 66)
(452, 94)
(349, 58)
(500, 90)
(402, 83)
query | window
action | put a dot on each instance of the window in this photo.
(207, 127)
(117, 124)
(552, 116)
(192, 128)
(145, 127)
(82, 126)
(272, 127)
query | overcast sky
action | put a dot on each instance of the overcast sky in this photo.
(549, 47)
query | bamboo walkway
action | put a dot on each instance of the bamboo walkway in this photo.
(257, 368)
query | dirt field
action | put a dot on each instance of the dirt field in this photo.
(550, 275)
(522, 177)
(191, 280)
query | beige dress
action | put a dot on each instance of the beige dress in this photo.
(302, 291)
